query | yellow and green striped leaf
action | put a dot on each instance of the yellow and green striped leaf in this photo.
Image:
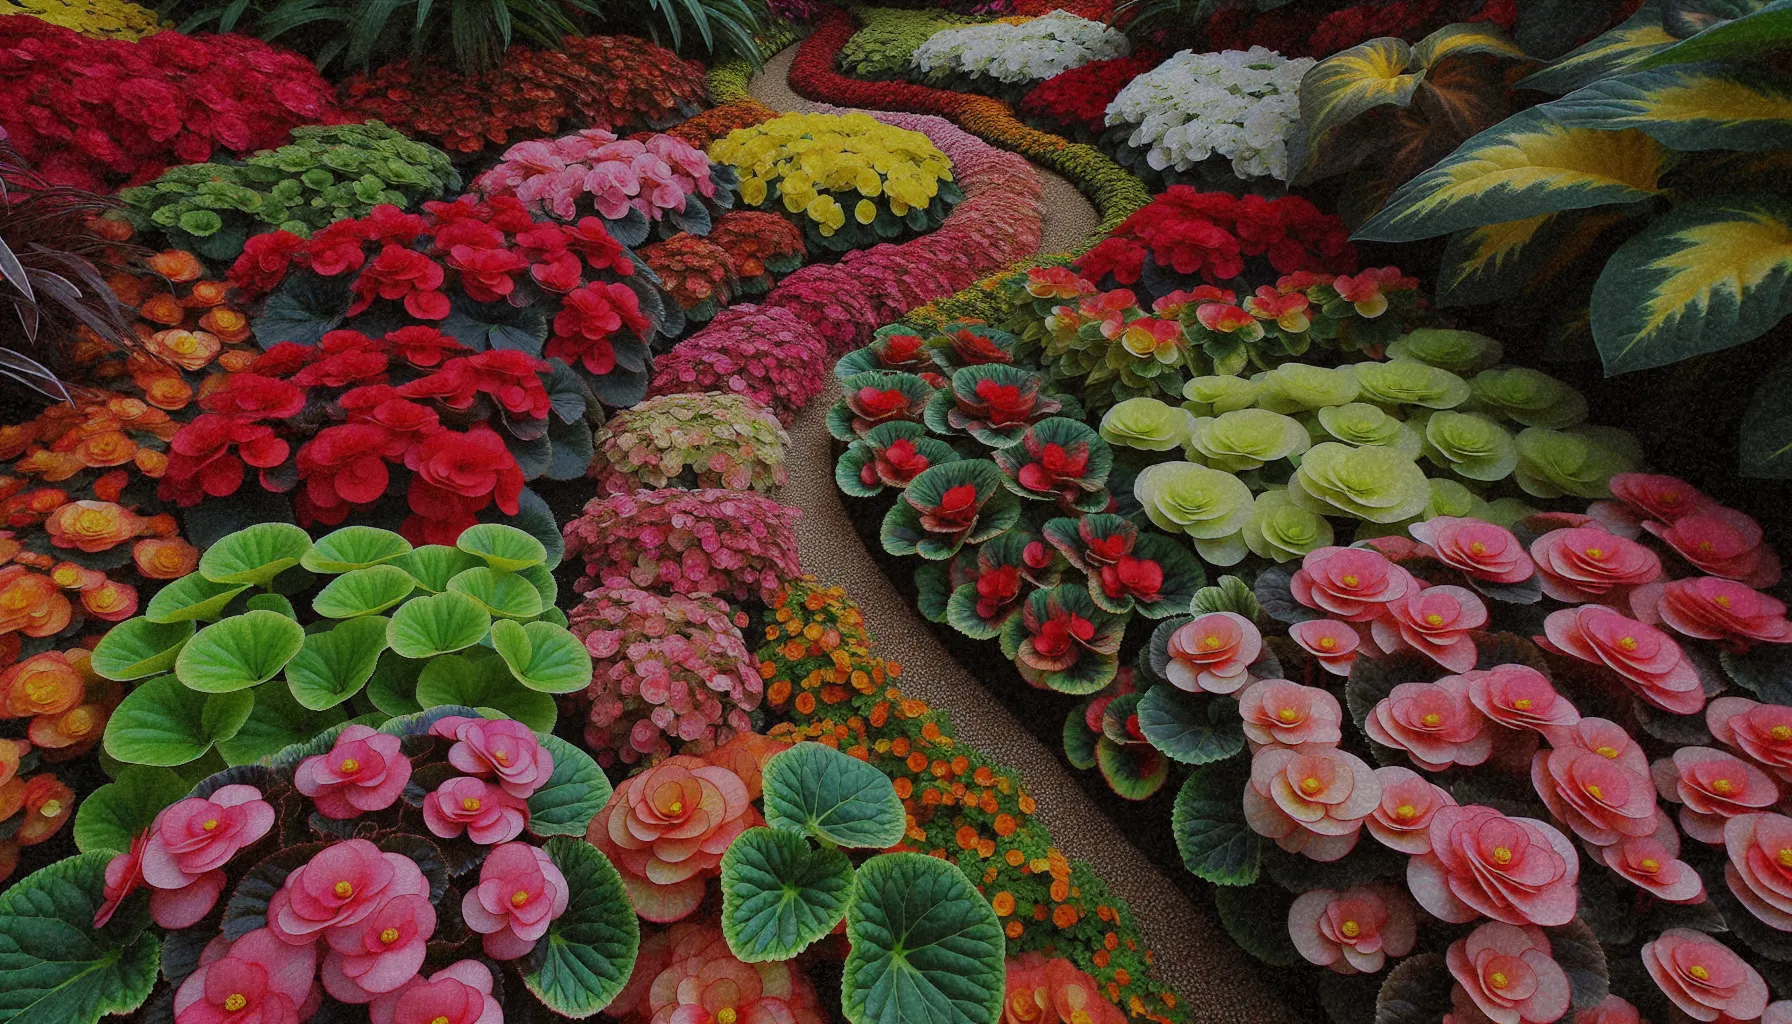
(1463, 39)
(1344, 86)
(1497, 261)
(1767, 29)
(1611, 53)
(1688, 107)
(1703, 277)
(1523, 167)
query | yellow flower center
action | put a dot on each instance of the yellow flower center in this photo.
(1595, 552)
(1433, 719)
(235, 1001)
(1478, 548)
(1595, 792)
(1498, 980)
(1627, 642)
(1350, 581)
(51, 808)
(1606, 752)
(1780, 733)
(389, 936)
(470, 803)
(501, 756)
(1522, 703)
(344, 889)
(726, 1015)
(1650, 864)
(1723, 787)
(518, 898)
(439, 1020)
(66, 575)
(677, 807)
(1406, 812)
(1705, 545)
(1212, 642)
(92, 521)
(1327, 643)
(1698, 971)
(1434, 619)
(1309, 785)
(1350, 929)
(209, 824)
(349, 766)
(1288, 714)
(1721, 600)
(1501, 855)
(1785, 858)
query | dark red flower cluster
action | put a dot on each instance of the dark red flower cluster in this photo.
(354, 428)
(101, 113)
(1190, 233)
(759, 244)
(694, 271)
(618, 83)
(1077, 100)
(1295, 31)
(761, 353)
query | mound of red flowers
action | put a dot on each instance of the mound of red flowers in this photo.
(1076, 101)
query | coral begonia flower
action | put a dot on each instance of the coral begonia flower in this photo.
(1517, 870)
(1760, 732)
(1759, 871)
(1713, 608)
(364, 771)
(1648, 864)
(1402, 819)
(1213, 653)
(1666, 498)
(1355, 930)
(1479, 549)
(1520, 697)
(189, 844)
(1703, 978)
(1353, 584)
(666, 830)
(257, 980)
(92, 526)
(1435, 622)
(460, 993)
(339, 887)
(506, 750)
(1435, 723)
(43, 684)
(1588, 563)
(1722, 542)
(1601, 800)
(1508, 973)
(380, 952)
(486, 814)
(1714, 787)
(1312, 801)
(1333, 643)
(519, 895)
(1647, 659)
(1286, 713)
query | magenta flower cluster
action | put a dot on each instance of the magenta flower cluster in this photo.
(733, 544)
(761, 352)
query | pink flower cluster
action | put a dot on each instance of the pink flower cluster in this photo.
(655, 175)
(504, 763)
(666, 670)
(1389, 608)
(181, 856)
(762, 352)
(733, 544)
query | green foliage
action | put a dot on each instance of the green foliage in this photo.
(815, 789)
(589, 951)
(113, 814)
(926, 946)
(779, 894)
(59, 969)
(881, 48)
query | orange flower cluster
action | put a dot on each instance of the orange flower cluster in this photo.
(820, 672)
(717, 122)
(190, 334)
(62, 706)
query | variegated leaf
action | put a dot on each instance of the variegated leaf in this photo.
(1615, 51)
(1496, 261)
(1344, 86)
(1525, 166)
(1767, 29)
(1548, 28)
(1688, 107)
(1462, 39)
(1708, 275)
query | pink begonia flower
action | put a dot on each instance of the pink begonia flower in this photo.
(364, 771)
(1611, 1010)
(1332, 642)
(1355, 930)
(1478, 549)
(124, 875)
(507, 750)
(381, 951)
(1778, 1013)
(1396, 548)
(1703, 977)
(189, 844)
(255, 980)
(1601, 800)
(1213, 653)
(339, 887)
(520, 893)
(1311, 801)
(487, 814)
(612, 184)
(1402, 819)
(1354, 584)
(1644, 657)
(1714, 787)
(460, 993)
(1435, 723)
(1435, 622)
(1507, 971)
(1722, 542)
(1652, 865)
(1666, 498)
(1713, 608)
(1589, 563)
(1759, 732)
(1520, 697)
(1516, 870)
(1279, 711)
(1605, 738)
(1759, 871)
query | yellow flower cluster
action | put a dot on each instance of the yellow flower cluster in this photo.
(106, 19)
(820, 162)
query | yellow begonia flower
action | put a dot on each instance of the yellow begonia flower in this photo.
(865, 212)
(752, 191)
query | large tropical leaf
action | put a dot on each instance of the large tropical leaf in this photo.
(1495, 261)
(1338, 89)
(1615, 51)
(926, 946)
(1525, 166)
(1765, 30)
(59, 969)
(1708, 275)
(1688, 107)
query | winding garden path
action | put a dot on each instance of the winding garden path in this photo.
(1192, 952)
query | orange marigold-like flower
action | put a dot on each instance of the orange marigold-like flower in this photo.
(48, 803)
(92, 525)
(43, 684)
(1003, 903)
(32, 604)
(151, 462)
(108, 448)
(164, 558)
(162, 309)
(177, 265)
(189, 350)
(111, 601)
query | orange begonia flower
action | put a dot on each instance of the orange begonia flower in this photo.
(10, 752)
(163, 309)
(206, 294)
(110, 448)
(177, 265)
(14, 438)
(12, 797)
(9, 548)
(164, 558)
(111, 601)
(92, 525)
(151, 462)
(229, 325)
(43, 684)
(166, 391)
(32, 604)
(48, 803)
(110, 486)
(189, 350)
(234, 360)
(70, 576)
(81, 724)
(51, 467)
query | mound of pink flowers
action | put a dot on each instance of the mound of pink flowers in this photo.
(732, 544)
(594, 169)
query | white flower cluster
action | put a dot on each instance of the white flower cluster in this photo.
(1238, 104)
(1029, 51)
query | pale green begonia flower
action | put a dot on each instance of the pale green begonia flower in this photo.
(1248, 439)
(1470, 445)
(1456, 351)
(1360, 423)
(1148, 424)
(1529, 397)
(1210, 505)
(1217, 395)
(1410, 382)
(1281, 530)
(1299, 387)
(1376, 484)
(1579, 462)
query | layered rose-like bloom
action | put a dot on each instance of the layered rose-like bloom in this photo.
(460, 993)
(1703, 978)
(1666, 498)
(92, 526)
(1713, 787)
(1647, 659)
(1435, 723)
(1760, 732)
(363, 772)
(1332, 642)
(381, 951)
(698, 980)
(1759, 871)
(1602, 800)
(487, 814)
(1589, 563)
(1605, 738)
(1610, 1010)
(666, 830)
(338, 888)
(1289, 714)
(1722, 542)
(1654, 866)
(520, 893)
(1435, 622)
(1520, 697)
(255, 980)
(1214, 652)
(1508, 973)
(1712, 608)
(1041, 991)
(1402, 818)
(1354, 930)
(403, 274)
(1312, 801)
(1354, 584)
(189, 844)
(1516, 870)
(506, 751)
(1478, 549)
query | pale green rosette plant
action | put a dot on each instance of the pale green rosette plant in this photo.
(1210, 505)
(1360, 424)
(1376, 484)
(1299, 387)
(1459, 352)
(1247, 439)
(1283, 531)
(1579, 462)
(1409, 382)
(1221, 394)
(1470, 445)
(1147, 424)
(1528, 397)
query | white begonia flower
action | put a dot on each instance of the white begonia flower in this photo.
(1240, 104)
(1027, 52)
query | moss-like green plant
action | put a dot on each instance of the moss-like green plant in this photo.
(880, 50)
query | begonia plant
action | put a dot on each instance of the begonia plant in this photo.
(733, 544)
(703, 440)
(762, 247)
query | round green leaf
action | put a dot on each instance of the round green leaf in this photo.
(191, 597)
(393, 688)
(482, 681)
(164, 723)
(428, 626)
(433, 565)
(332, 666)
(241, 651)
(256, 555)
(276, 722)
(543, 656)
(1187, 728)
(366, 591)
(779, 894)
(590, 950)
(833, 796)
(58, 968)
(501, 594)
(502, 547)
(542, 579)
(926, 946)
(136, 648)
(354, 547)
(1211, 834)
(113, 814)
(573, 795)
